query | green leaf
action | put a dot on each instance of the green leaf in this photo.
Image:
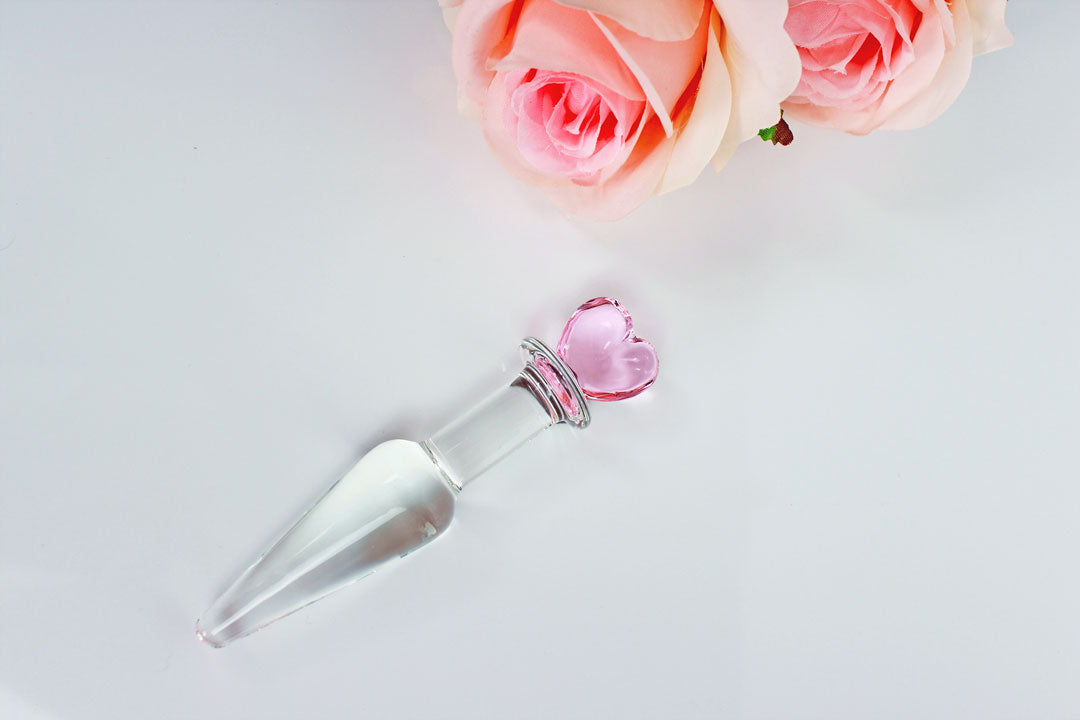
(768, 134)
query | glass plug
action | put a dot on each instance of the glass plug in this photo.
(401, 494)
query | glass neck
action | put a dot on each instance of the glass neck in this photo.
(543, 394)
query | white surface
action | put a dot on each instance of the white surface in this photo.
(242, 242)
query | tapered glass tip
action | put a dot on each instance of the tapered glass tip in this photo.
(392, 502)
(203, 637)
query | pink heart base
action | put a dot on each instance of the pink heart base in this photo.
(599, 345)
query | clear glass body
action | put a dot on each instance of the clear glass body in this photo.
(390, 503)
(493, 429)
(396, 499)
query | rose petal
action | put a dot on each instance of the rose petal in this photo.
(663, 69)
(479, 27)
(947, 83)
(552, 37)
(930, 49)
(503, 144)
(450, 10)
(507, 145)
(567, 125)
(988, 28)
(944, 12)
(664, 20)
(631, 185)
(708, 122)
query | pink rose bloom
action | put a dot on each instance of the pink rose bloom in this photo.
(605, 102)
(894, 64)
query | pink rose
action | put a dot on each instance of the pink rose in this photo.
(895, 64)
(605, 102)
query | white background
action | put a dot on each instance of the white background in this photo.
(241, 242)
